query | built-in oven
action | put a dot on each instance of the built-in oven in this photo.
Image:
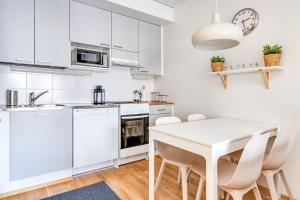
(90, 56)
(134, 130)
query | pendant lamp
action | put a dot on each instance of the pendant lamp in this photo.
(217, 35)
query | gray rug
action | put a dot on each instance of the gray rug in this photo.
(98, 191)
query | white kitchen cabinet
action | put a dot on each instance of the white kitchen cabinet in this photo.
(40, 143)
(95, 141)
(52, 43)
(150, 48)
(17, 31)
(157, 111)
(90, 25)
(124, 33)
(4, 150)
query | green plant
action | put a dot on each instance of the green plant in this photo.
(275, 49)
(217, 59)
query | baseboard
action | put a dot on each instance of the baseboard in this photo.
(12, 193)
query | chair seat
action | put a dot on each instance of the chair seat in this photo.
(178, 155)
(226, 170)
(198, 165)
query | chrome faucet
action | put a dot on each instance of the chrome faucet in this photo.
(32, 97)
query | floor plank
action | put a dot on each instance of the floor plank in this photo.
(130, 181)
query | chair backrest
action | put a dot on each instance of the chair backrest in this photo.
(162, 148)
(278, 153)
(250, 164)
(196, 117)
(167, 120)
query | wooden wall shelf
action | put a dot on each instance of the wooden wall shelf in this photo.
(265, 72)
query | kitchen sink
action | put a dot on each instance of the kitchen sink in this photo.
(49, 105)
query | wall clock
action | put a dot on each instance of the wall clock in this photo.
(247, 19)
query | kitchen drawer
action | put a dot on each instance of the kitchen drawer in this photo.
(161, 109)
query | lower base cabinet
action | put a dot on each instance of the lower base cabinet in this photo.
(40, 143)
(95, 142)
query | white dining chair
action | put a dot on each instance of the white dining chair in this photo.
(276, 155)
(196, 117)
(174, 156)
(239, 179)
(273, 163)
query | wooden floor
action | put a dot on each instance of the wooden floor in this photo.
(129, 181)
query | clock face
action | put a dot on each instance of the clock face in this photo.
(247, 19)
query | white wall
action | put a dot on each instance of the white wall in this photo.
(193, 90)
(71, 89)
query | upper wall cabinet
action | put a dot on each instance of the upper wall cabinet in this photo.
(52, 43)
(17, 31)
(150, 48)
(90, 25)
(124, 33)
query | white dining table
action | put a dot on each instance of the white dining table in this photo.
(211, 138)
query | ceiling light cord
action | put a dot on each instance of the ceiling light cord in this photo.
(216, 6)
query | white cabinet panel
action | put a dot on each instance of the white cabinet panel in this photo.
(95, 136)
(4, 150)
(52, 44)
(40, 143)
(90, 25)
(150, 48)
(124, 33)
(17, 31)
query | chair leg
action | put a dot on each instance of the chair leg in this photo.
(227, 196)
(237, 196)
(285, 183)
(271, 185)
(179, 176)
(277, 184)
(183, 171)
(257, 193)
(160, 173)
(200, 189)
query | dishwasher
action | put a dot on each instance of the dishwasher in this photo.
(40, 142)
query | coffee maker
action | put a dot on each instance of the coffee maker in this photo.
(99, 95)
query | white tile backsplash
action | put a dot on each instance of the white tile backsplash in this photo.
(12, 80)
(71, 89)
(39, 81)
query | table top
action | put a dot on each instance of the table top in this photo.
(216, 130)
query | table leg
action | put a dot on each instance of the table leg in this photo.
(151, 169)
(211, 177)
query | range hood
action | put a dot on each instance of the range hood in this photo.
(124, 62)
(124, 58)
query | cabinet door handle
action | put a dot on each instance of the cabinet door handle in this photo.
(105, 44)
(43, 114)
(144, 71)
(162, 109)
(117, 46)
(43, 62)
(23, 60)
(0, 120)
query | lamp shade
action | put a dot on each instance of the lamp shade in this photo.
(217, 36)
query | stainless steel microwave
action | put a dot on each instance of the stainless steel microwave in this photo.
(90, 56)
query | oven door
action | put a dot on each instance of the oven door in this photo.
(134, 135)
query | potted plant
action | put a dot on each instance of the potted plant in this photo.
(272, 55)
(217, 63)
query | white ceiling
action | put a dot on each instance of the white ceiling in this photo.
(171, 3)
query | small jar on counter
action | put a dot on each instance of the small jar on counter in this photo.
(155, 96)
(163, 98)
